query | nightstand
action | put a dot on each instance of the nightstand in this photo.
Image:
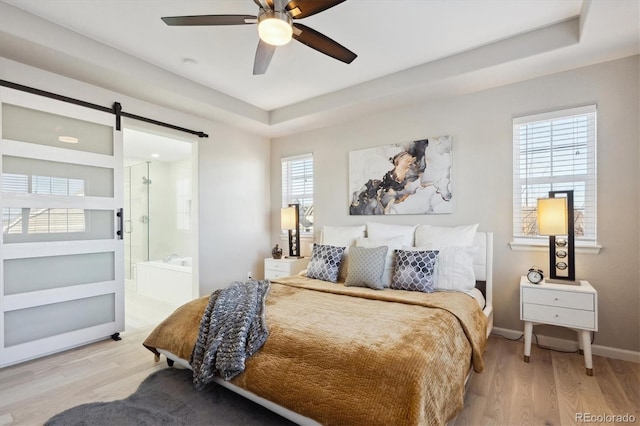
(565, 305)
(276, 268)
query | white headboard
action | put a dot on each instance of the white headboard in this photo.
(480, 265)
(483, 269)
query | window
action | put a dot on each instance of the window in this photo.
(42, 220)
(555, 151)
(297, 187)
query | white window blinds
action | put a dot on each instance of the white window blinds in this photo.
(297, 187)
(42, 220)
(555, 151)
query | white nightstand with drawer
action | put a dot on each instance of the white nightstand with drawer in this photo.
(276, 268)
(565, 305)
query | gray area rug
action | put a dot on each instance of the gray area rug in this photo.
(168, 397)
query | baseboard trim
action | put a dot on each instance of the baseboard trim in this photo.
(570, 345)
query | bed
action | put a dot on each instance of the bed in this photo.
(339, 354)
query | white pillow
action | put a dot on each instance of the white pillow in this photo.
(454, 268)
(342, 236)
(445, 236)
(381, 231)
(393, 244)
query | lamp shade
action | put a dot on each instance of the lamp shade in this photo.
(553, 216)
(288, 219)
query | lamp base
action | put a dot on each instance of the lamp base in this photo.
(560, 281)
(294, 257)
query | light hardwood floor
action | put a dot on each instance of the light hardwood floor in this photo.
(143, 311)
(550, 390)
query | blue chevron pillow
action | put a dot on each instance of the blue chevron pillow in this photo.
(414, 270)
(325, 262)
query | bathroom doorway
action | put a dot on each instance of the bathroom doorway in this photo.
(159, 224)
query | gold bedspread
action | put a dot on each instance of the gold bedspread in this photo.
(354, 356)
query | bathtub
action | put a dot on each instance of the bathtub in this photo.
(170, 281)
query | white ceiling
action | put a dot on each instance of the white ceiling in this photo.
(406, 49)
(388, 36)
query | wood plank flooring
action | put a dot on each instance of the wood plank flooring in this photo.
(552, 389)
(549, 390)
(141, 311)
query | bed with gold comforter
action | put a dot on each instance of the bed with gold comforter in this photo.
(351, 355)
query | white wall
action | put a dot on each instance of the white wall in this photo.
(165, 238)
(233, 182)
(481, 127)
(182, 230)
(161, 223)
(234, 207)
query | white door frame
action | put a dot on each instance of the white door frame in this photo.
(194, 140)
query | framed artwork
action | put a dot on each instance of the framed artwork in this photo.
(411, 178)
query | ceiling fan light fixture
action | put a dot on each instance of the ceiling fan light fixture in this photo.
(275, 28)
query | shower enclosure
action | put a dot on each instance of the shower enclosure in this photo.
(136, 217)
(157, 229)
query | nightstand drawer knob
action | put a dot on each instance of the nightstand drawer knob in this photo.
(556, 299)
(557, 315)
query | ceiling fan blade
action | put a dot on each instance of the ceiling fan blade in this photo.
(264, 53)
(322, 43)
(303, 8)
(210, 20)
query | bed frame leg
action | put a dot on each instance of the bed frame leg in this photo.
(116, 336)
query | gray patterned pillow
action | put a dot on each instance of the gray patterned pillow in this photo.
(325, 262)
(366, 267)
(414, 270)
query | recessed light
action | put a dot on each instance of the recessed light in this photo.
(189, 61)
(67, 139)
(154, 155)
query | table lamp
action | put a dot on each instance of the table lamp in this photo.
(290, 220)
(555, 219)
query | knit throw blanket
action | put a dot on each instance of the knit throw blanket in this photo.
(232, 329)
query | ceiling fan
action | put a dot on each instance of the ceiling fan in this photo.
(276, 28)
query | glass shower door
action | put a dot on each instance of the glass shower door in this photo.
(136, 217)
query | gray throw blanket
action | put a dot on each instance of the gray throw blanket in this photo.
(232, 329)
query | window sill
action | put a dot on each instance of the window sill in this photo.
(581, 248)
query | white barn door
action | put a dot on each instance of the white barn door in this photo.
(61, 261)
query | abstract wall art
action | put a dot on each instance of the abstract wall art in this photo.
(409, 178)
